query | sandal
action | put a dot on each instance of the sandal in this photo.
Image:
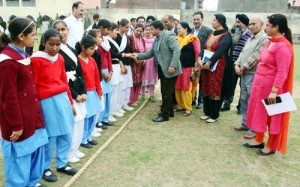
(187, 113)
(178, 110)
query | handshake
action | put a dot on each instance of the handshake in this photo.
(130, 55)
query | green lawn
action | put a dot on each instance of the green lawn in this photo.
(188, 152)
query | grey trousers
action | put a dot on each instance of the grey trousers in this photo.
(246, 86)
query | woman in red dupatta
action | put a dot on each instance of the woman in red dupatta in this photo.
(274, 76)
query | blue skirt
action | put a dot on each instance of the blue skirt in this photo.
(58, 115)
(106, 85)
(93, 105)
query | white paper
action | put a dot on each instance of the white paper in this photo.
(206, 57)
(287, 105)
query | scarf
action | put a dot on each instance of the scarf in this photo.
(183, 41)
(42, 54)
(138, 44)
(4, 57)
(115, 43)
(289, 88)
(123, 43)
(105, 44)
(68, 51)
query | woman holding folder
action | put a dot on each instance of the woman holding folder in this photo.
(274, 76)
(216, 77)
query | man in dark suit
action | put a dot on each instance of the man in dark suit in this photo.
(202, 32)
(166, 52)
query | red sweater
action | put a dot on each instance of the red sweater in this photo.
(19, 106)
(105, 59)
(51, 78)
(91, 75)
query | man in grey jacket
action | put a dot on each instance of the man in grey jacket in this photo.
(166, 53)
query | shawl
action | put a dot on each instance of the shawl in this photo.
(288, 88)
(183, 41)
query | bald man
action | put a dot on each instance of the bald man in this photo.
(245, 67)
(168, 21)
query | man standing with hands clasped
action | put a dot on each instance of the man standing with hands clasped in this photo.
(245, 66)
(165, 51)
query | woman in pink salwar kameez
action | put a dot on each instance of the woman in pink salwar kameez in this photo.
(149, 74)
(274, 76)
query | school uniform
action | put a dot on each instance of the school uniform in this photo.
(128, 81)
(104, 51)
(94, 90)
(55, 99)
(117, 78)
(20, 110)
(77, 87)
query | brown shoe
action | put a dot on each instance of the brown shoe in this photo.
(240, 128)
(249, 136)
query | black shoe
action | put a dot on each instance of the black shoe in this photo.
(107, 123)
(92, 142)
(49, 176)
(160, 119)
(193, 103)
(259, 146)
(199, 106)
(170, 115)
(101, 126)
(261, 153)
(223, 109)
(67, 170)
(86, 145)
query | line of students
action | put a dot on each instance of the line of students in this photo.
(54, 100)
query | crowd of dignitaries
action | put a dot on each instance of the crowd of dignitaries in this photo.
(79, 82)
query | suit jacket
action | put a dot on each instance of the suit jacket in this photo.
(166, 53)
(203, 34)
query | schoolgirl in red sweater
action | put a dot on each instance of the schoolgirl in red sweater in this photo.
(56, 101)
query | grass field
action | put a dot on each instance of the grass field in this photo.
(188, 152)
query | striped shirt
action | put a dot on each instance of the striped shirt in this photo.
(237, 49)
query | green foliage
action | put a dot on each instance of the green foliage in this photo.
(39, 20)
(86, 21)
(51, 21)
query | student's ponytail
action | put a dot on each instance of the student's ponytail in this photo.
(4, 39)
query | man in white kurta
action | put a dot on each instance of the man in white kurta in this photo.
(75, 24)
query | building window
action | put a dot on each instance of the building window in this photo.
(14, 3)
(28, 3)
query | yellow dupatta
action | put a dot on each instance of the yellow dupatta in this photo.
(183, 41)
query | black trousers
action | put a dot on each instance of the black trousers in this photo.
(167, 88)
(211, 107)
(229, 98)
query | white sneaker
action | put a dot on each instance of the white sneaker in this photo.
(117, 114)
(128, 108)
(96, 129)
(112, 119)
(96, 134)
(80, 154)
(73, 159)
(122, 111)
